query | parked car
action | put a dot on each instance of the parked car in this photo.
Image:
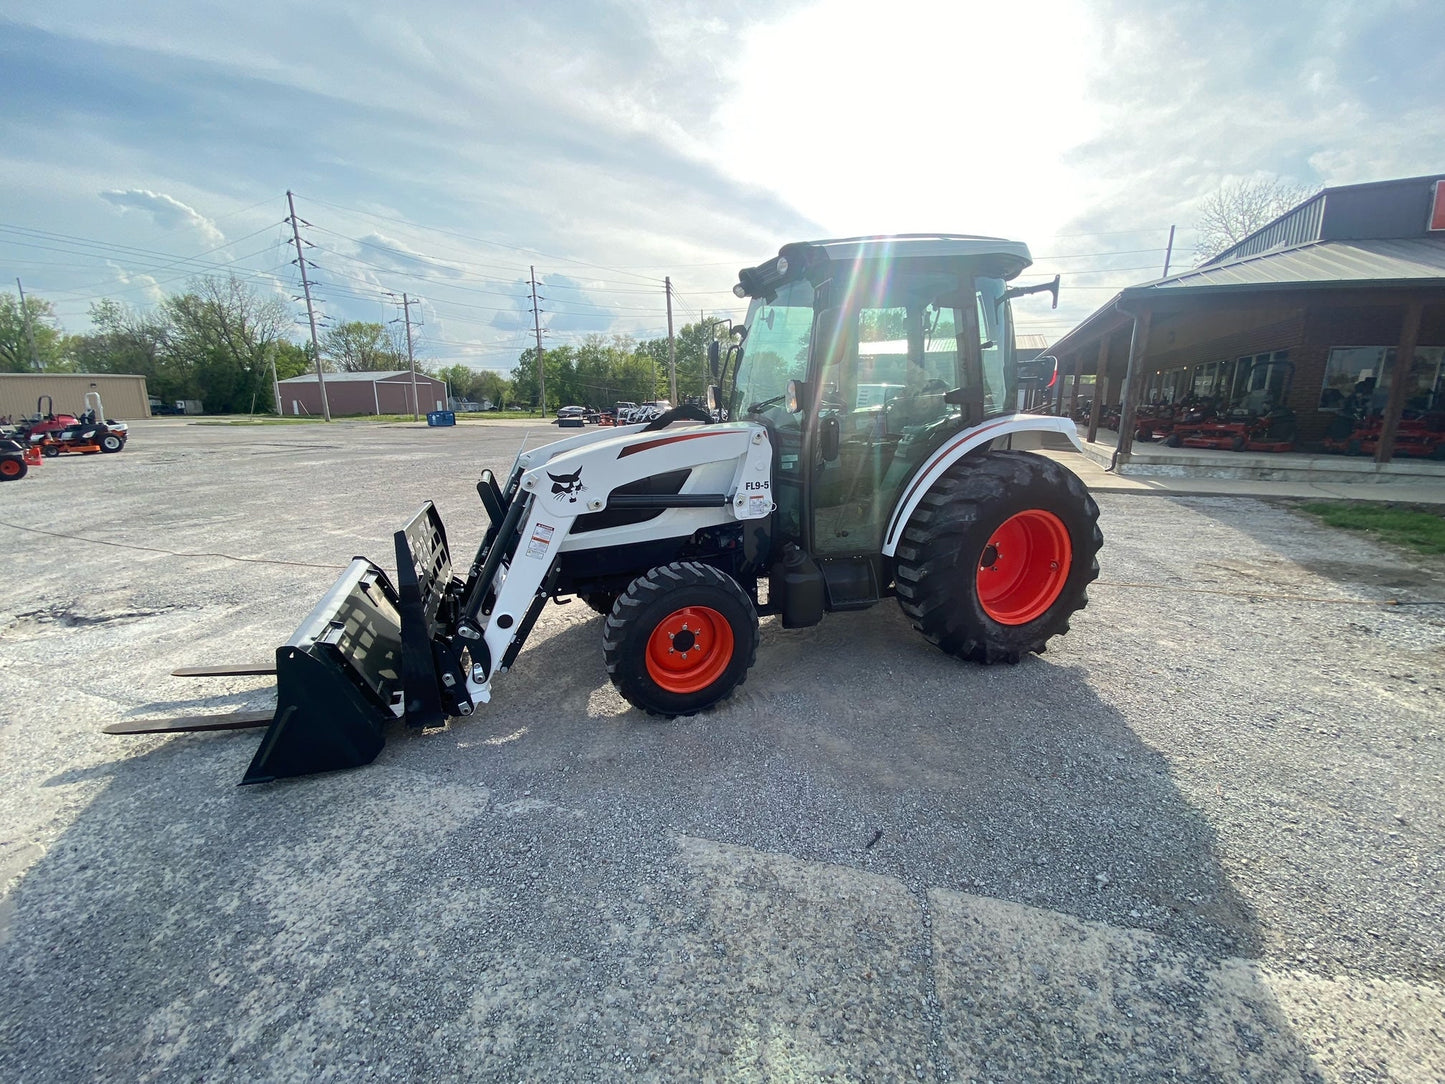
(572, 416)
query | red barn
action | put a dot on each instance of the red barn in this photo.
(386, 392)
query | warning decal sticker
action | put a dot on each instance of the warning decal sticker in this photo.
(540, 540)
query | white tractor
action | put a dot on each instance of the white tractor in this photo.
(868, 403)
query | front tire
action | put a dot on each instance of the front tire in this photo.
(12, 470)
(998, 556)
(680, 639)
(111, 443)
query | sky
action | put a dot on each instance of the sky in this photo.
(443, 149)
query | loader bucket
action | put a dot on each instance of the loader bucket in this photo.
(338, 681)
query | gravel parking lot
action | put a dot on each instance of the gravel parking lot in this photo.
(1202, 837)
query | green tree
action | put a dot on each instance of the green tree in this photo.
(493, 387)
(293, 359)
(219, 334)
(479, 385)
(358, 347)
(461, 380)
(561, 365)
(690, 351)
(14, 343)
(126, 341)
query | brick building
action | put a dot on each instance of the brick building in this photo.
(1342, 295)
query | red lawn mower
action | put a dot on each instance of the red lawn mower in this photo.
(16, 460)
(1260, 423)
(84, 435)
(1420, 435)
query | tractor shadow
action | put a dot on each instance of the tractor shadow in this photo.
(1018, 783)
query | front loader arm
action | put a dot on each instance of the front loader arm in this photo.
(517, 570)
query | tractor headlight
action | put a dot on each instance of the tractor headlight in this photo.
(782, 266)
(740, 290)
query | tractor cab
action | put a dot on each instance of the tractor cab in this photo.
(863, 358)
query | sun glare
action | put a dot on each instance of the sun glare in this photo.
(915, 115)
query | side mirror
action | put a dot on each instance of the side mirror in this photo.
(713, 399)
(797, 396)
(1041, 369)
(714, 358)
(829, 437)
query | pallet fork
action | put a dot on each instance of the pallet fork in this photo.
(341, 675)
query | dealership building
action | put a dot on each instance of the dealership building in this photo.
(1337, 305)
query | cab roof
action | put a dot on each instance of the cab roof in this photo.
(804, 258)
(907, 246)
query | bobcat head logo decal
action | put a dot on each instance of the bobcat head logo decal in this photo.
(567, 485)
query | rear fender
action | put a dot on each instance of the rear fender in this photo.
(954, 449)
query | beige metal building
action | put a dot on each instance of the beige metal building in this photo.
(124, 397)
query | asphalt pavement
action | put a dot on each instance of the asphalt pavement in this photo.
(1202, 837)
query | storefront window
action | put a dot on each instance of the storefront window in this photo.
(1207, 376)
(1261, 381)
(1357, 379)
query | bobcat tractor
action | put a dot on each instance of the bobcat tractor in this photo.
(857, 446)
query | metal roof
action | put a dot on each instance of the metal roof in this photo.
(1391, 262)
(1411, 262)
(363, 377)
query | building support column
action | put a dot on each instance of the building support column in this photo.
(1101, 382)
(1133, 381)
(1404, 359)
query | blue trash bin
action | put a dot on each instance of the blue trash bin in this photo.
(441, 417)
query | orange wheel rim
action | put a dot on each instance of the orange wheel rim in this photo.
(689, 649)
(9, 467)
(1022, 569)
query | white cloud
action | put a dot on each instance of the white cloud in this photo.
(692, 138)
(169, 213)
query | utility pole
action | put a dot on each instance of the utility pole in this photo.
(275, 382)
(29, 331)
(671, 348)
(1168, 253)
(406, 304)
(310, 310)
(537, 325)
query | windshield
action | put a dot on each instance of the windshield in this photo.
(775, 350)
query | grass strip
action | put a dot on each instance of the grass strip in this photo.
(1410, 527)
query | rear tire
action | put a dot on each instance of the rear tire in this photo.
(998, 556)
(12, 470)
(680, 639)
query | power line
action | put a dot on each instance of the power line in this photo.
(480, 240)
